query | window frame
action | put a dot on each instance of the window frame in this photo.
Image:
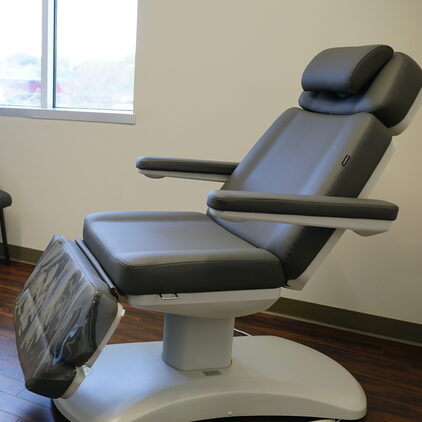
(48, 91)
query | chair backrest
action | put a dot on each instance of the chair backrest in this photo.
(354, 99)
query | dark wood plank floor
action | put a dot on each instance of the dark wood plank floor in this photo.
(390, 373)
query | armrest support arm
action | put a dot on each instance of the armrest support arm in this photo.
(158, 167)
(365, 216)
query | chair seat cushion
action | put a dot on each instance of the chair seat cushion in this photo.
(5, 199)
(176, 252)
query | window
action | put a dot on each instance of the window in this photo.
(20, 53)
(68, 59)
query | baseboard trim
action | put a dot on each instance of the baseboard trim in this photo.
(388, 328)
(392, 329)
(21, 254)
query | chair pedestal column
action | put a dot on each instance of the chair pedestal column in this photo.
(197, 343)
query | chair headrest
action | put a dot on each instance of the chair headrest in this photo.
(370, 79)
(345, 70)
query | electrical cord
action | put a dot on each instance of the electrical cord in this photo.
(242, 332)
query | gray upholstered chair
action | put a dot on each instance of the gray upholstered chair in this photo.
(279, 212)
(5, 201)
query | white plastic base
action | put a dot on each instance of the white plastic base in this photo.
(268, 376)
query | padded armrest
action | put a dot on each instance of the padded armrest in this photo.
(366, 217)
(186, 165)
(318, 206)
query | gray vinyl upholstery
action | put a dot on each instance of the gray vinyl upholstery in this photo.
(185, 165)
(176, 252)
(388, 97)
(309, 205)
(345, 70)
(331, 147)
(302, 153)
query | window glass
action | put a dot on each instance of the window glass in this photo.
(96, 42)
(20, 52)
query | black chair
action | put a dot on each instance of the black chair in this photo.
(5, 201)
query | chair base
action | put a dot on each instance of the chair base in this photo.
(268, 376)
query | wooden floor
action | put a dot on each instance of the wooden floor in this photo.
(390, 373)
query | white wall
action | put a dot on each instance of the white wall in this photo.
(211, 76)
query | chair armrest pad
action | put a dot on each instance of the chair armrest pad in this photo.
(185, 165)
(307, 205)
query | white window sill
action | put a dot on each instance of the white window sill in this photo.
(82, 115)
